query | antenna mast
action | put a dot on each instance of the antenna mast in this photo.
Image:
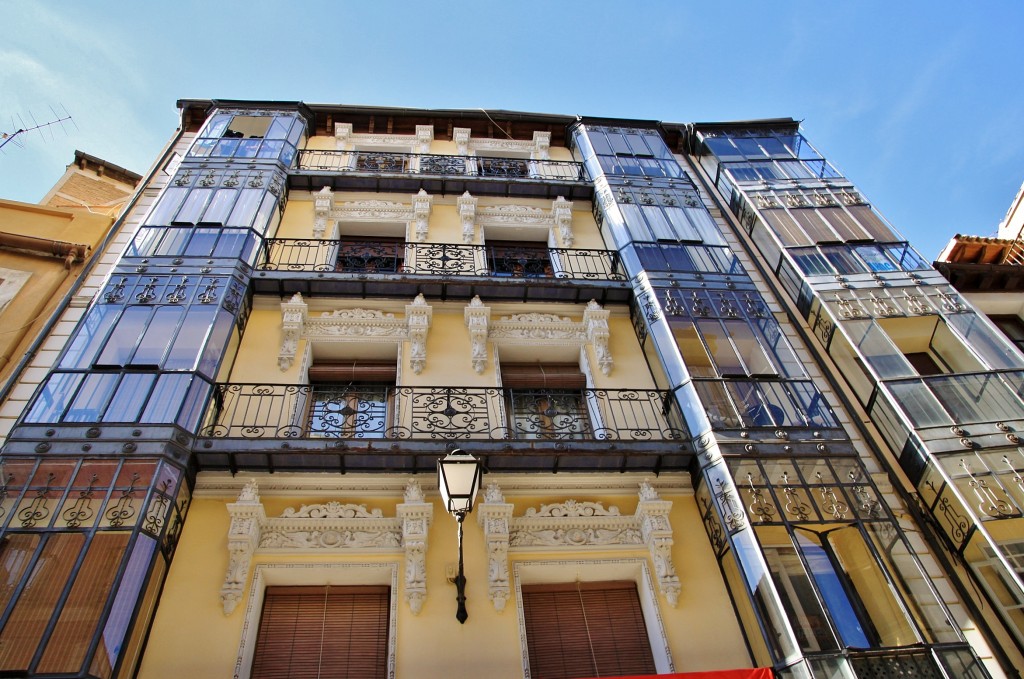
(6, 137)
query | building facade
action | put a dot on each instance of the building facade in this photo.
(730, 420)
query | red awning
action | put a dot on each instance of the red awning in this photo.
(756, 673)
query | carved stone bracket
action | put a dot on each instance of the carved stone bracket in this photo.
(421, 204)
(561, 215)
(540, 329)
(582, 525)
(355, 325)
(333, 527)
(322, 206)
(243, 539)
(467, 215)
(417, 316)
(477, 318)
(293, 319)
(494, 516)
(460, 135)
(595, 320)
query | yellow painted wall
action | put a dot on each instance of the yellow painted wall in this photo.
(191, 636)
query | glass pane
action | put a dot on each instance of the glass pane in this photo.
(89, 336)
(188, 344)
(168, 205)
(129, 398)
(53, 397)
(91, 398)
(837, 600)
(166, 399)
(158, 335)
(220, 206)
(125, 336)
(245, 208)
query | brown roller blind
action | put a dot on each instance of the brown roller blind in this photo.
(543, 375)
(325, 632)
(586, 629)
(354, 371)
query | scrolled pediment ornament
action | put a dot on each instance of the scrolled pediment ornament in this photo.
(540, 329)
(348, 325)
(333, 527)
(577, 525)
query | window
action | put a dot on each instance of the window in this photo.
(492, 166)
(585, 629)
(249, 136)
(1012, 327)
(383, 254)
(546, 401)
(351, 399)
(329, 632)
(518, 259)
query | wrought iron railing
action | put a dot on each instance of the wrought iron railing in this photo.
(253, 411)
(440, 165)
(437, 259)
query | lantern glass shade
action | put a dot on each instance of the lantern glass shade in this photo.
(458, 478)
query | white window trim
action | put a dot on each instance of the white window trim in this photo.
(597, 570)
(313, 574)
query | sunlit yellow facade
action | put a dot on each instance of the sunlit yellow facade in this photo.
(693, 362)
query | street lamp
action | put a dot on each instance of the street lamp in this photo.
(458, 478)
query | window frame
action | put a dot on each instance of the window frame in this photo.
(597, 570)
(316, 573)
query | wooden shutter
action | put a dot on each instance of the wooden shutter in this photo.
(325, 632)
(542, 375)
(354, 371)
(586, 629)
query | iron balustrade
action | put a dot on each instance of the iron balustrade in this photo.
(254, 411)
(437, 259)
(387, 162)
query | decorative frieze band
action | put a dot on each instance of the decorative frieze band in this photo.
(537, 328)
(572, 525)
(355, 325)
(332, 526)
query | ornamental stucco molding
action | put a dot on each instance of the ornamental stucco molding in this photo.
(328, 527)
(421, 204)
(557, 220)
(576, 525)
(477, 318)
(346, 140)
(323, 204)
(373, 211)
(355, 325)
(538, 147)
(552, 329)
(467, 216)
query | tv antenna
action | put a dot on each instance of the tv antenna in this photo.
(58, 118)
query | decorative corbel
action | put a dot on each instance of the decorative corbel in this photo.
(653, 512)
(322, 207)
(417, 317)
(561, 215)
(243, 538)
(460, 135)
(293, 318)
(541, 145)
(477, 318)
(595, 321)
(467, 213)
(495, 515)
(421, 204)
(342, 135)
(424, 135)
(416, 516)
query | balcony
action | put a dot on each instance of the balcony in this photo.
(370, 267)
(440, 174)
(375, 428)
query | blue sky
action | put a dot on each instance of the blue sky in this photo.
(920, 104)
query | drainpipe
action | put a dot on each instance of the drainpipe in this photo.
(72, 253)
